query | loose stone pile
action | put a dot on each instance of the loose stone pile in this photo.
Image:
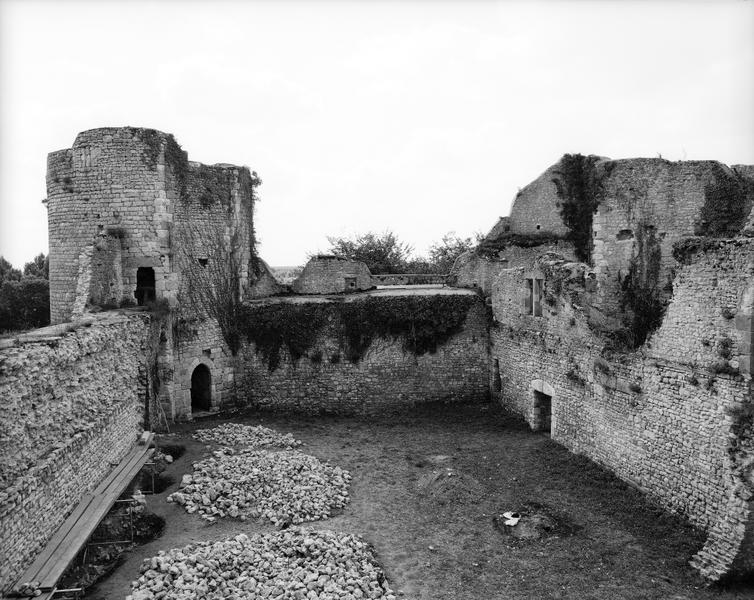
(283, 487)
(291, 564)
(252, 436)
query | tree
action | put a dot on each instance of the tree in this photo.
(38, 267)
(7, 272)
(443, 254)
(24, 304)
(382, 253)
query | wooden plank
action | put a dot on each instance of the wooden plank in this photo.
(84, 527)
(130, 459)
(141, 447)
(62, 548)
(31, 574)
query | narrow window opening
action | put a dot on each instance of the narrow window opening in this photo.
(534, 291)
(203, 261)
(350, 283)
(145, 287)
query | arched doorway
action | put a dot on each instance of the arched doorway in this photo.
(201, 389)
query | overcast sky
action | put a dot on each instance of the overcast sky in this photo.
(419, 117)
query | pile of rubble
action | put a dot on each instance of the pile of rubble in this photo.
(283, 487)
(251, 436)
(294, 563)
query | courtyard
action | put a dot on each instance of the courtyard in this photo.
(428, 490)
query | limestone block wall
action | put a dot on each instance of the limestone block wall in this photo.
(663, 417)
(109, 182)
(331, 275)
(73, 399)
(536, 208)
(201, 343)
(652, 203)
(387, 378)
(472, 270)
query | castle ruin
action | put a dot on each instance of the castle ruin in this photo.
(612, 310)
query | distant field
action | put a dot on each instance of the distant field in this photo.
(286, 274)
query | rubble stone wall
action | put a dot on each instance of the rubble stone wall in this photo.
(662, 417)
(327, 275)
(73, 399)
(387, 378)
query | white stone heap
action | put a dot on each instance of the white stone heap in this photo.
(283, 487)
(291, 564)
(251, 436)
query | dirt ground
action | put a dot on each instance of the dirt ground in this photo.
(434, 532)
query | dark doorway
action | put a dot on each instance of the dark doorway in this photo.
(201, 389)
(144, 285)
(497, 382)
(542, 417)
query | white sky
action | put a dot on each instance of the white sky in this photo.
(419, 117)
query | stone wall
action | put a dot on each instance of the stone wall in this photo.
(536, 208)
(386, 378)
(474, 270)
(73, 399)
(649, 205)
(105, 184)
(665, 417)
(332, 275)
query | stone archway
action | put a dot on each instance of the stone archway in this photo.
(201, 388)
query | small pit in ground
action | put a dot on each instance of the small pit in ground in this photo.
(449, 487)
(535, 521)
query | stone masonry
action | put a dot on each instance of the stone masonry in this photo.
(671, 415)
(72, 405)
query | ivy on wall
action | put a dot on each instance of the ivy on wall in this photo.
(490, 247)
(725, 206)
(421, 323)
(642, 293)
(580, 188)
(274, 326)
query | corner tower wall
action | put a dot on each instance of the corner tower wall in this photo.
(109, 184)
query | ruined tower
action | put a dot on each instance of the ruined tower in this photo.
(117, 203)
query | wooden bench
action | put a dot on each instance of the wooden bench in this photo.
(71, 536)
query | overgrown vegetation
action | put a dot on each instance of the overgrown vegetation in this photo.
(24, 296)
(215, 254)
(491, 247)
(274, 326)
(725, 206)
(421, 323)
(385, 253)
(642, 294)
(685, 249)
(214, 186)
(580, 189)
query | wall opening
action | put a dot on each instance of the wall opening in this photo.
(201, 389)
(497, 383)
(144, 285)
(533, 299)
(542, 412)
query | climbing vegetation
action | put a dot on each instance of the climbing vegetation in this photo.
(420, 323)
